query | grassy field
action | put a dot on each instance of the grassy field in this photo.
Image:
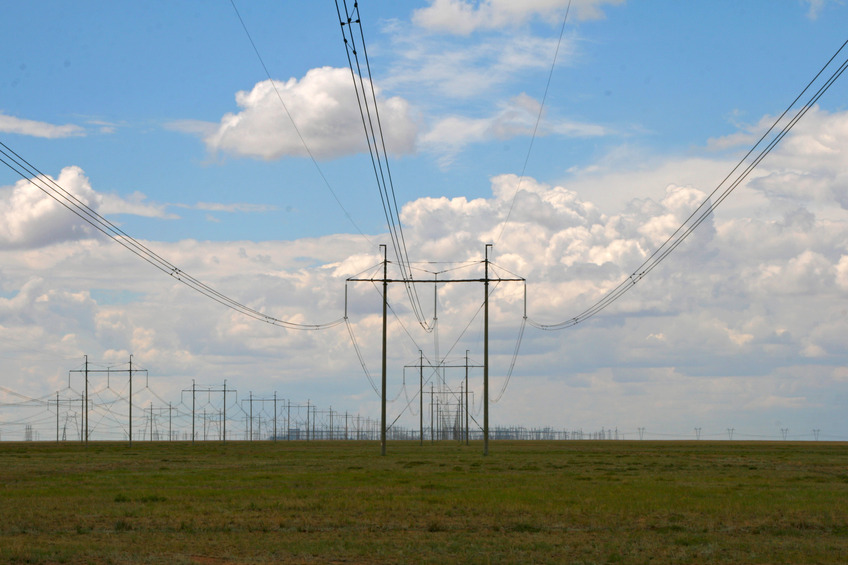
(340, 502)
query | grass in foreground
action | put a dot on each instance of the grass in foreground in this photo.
(340, 502)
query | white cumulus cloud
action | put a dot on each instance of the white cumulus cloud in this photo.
(323, 107)
(30, 218)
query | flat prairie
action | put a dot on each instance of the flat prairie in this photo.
(341, 502)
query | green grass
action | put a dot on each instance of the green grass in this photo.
(340, 502)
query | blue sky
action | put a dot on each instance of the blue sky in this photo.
(657, 78)
(650, 104)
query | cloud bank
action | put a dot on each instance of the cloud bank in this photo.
(742, 326)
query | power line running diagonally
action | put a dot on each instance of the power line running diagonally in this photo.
(715, 198)
(536, 126)
(366, 98)
(297, 129)
(51, 188)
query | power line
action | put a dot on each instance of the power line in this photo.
(297, 129)
(366, 98)
(703, 211)
(536, 126)
(51, 188)
(359, 355)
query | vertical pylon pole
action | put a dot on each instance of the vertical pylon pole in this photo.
(130, 421)
(486, 355)
(432, 421)
(193, 400)
(85, 413)
(467, 429)
(383, 399)
(420, 397)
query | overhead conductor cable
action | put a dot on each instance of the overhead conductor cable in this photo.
(366, 98)
(714, 199)
(55, 191)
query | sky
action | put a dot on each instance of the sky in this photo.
(574, 157)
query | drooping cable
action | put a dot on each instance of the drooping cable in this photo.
(703, 211)
(294, 125)
(366, 98)
(356, 347)
(512, 363)
(410, 287)
(409, 400)
(27, 400)
(468, 325)
(399, 321)
(51, 188)
(360, 357)
(536, 126)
